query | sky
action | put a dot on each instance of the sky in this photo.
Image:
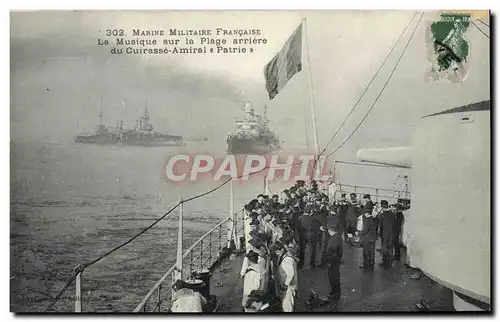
(58, 74)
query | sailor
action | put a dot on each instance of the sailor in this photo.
(288, 277)
(251, 272)
(387, 222)
(255, 268)
(341, 209)
(260, 200)
(367, 208)
(368, 238)
(332, 257)
(266, 225)
(186, 299)
(329, 221)
(309, 235)
(273, 204)
(286, 196)
(278, 228)
(294, 215)
(398, 225)
(254, 229)
(322, 211)
(353, 211)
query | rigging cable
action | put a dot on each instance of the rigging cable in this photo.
(484, 23)
(480, 30)
(381, 91)
(367, 86)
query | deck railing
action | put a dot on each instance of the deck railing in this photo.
(377, 194)
(201, 255)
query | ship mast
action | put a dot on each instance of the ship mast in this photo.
(145, 116)
(100, 114)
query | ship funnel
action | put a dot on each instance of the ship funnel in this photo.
(395, 156)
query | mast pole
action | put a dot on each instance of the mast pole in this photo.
(100, 115)
(311, 97)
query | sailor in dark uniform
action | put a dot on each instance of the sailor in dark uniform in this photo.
(310, 222)
(332, 257)
(341, 210)
(368, 237)
(387, 220)
(260, 201)
(398, 225)
(353, 212)
(273, 203)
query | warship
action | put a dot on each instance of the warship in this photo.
(142, 134)
(253, 134)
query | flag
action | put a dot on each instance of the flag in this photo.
(285, 64)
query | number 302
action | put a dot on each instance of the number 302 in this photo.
(115, 32)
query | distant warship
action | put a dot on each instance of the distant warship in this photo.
(142, 134)
(253, 134)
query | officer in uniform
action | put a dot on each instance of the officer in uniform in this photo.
(341, 209)
(368, 237)
(387, 223)
(398, 225)
(332, 257)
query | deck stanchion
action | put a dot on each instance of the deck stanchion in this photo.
(209, 249)
(201, 254)
(178, 266)
(220, 238)
(78, 295)
(159, 297)
(190, 262)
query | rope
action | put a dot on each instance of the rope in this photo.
(367, 86)
(131, 239)
(484, 23)
(381, 91)
(316, 159)
(480, 30)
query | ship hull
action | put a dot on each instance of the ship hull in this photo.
(450, 234)
(112, 140)
(250, 146)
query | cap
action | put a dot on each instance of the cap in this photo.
(384, 203)
(366, 196)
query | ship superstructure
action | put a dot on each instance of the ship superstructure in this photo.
(253, 134)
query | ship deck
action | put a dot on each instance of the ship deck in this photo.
(381, 290)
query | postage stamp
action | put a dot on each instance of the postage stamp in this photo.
(448, 48)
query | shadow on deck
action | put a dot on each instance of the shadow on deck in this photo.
(381, 290)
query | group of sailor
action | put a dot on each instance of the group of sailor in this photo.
(277, 234)
(362, 222)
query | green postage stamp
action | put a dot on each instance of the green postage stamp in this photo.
(447, 48)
